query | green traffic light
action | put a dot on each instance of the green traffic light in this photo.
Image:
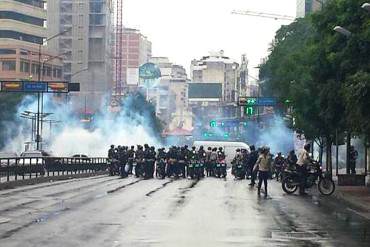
(251, 101)
(213, 124)
(249, 110)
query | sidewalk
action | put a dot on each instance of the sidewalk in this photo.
(356, 197)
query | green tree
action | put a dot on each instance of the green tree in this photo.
(9, 103)
(317, 70)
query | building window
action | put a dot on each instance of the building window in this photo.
(21, 36)
(47, 70)
(25, 66)
(36, 3)
(96, 19)
(7, 51)
(22, 18)
(8, 65)
(96, 7)
(57, 72)
(35, 68)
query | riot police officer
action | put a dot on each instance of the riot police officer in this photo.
(139, 157)
(182, 157)
(130, 158)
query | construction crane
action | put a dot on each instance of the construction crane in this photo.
(118, 47)
(264, 15)
(117, 91)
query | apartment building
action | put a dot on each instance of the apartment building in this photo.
(87, 46)
(22, 35)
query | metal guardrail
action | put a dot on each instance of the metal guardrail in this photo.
(22, 168)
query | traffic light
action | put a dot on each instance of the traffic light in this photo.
(249, 110)
(213, 124)
(251, 101)
(226, 135)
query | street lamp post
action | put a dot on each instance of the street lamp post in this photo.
(366, 6)
(38, 125)
(342, 31)
(42, 79)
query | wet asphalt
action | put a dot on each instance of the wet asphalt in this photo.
(107, 211)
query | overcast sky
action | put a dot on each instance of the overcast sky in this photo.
(186, 29)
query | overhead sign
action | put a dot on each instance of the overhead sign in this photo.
(149, 71)
(227, 123)
(257, 101)
(34, 87)
(38, 87)
(58, 87)
(11, 86)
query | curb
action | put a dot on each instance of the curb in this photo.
(350, 201)
(39, 180)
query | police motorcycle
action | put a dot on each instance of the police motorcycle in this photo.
(160, 171)
(220, 169)
(191, 168)
(315, 176)
(198, 170)
(238, 169)
(113, 167)
(139, 168)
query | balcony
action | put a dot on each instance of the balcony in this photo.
(19, 7)
(21, 27)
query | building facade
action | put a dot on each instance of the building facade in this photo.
(87, 46)
(217, 68)
(305, 7)
(22, 34)
(137, 50)
(170, 95)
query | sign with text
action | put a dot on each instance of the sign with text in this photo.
(58, 87)
(34, 87)
(38, 87)
(11, 86)
(257, 101)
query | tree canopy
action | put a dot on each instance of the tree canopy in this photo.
(325, 75)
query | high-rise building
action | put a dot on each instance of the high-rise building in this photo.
(22, 35)
(137, 50)
(305, 7)
(214, 91)
(217, 68)
(170, 94)
(87, 46)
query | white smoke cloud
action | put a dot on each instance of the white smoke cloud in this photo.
(72, 137)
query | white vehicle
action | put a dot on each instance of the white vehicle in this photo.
(35, 154)
(228, 147)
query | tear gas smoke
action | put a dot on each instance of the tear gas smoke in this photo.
(71, 136)
(276, 135)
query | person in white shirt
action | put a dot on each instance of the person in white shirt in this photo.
(303, 160)
(263, 165)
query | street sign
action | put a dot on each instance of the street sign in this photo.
(227, 123)
(38, 87)
(249, 110)
(257, 101)
(34, 87)
(11, 86)
(58, 87)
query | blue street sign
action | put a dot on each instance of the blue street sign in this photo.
(266, 101)
(35, 86)
(257, 101)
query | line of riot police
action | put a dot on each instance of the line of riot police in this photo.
(177, 162)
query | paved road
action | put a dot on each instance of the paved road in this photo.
(106, 211)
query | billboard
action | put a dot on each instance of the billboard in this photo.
(38, 87)
(58, 87)
(132, 76)
(11, 86)
(210, 91)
